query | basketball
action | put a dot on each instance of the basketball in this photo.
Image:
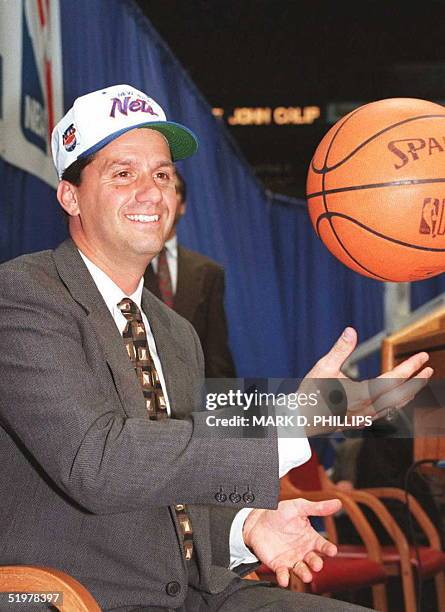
(376, 189)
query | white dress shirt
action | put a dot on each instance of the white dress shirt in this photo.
(291, 451)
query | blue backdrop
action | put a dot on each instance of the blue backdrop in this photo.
(287, 298)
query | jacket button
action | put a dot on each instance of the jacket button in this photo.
(235, 498)
(221, 497)
(248, 497)
(173, 588)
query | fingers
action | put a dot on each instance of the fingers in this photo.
(408, 367)
(338, 354)
(321, 508)
(282, 575)
(425, 373)
(313, 561)
(368, 392)
(302, 569)
(325, 547)
(402, 394)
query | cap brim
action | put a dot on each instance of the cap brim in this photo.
(182, 141)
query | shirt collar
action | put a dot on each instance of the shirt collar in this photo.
(111, 293)
(172, 246)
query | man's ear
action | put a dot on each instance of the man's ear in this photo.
(67, 196)
(181, 209)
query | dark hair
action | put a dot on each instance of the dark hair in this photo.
(73, 174)
(181, 187)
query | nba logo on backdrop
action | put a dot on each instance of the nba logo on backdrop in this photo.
(433, 219)
(30, 48)
(37, 104)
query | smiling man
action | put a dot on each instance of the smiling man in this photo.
(107, 468)
(124, 206)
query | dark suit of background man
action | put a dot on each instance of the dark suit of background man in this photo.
(197, 286)
(108, 469)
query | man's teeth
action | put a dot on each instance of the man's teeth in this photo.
(143, 218)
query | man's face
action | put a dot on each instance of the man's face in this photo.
(127, 199)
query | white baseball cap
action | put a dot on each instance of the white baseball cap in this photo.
(101, 116)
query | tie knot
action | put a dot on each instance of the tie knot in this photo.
(130, 310)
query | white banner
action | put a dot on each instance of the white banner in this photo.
(31, 86)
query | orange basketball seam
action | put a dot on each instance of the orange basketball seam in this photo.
(325, 204)
(329, 215)
(375, 186)
(327, 169)
(342, 123)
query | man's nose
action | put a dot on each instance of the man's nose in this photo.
(147, 190)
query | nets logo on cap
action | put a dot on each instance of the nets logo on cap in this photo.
(69, 138)
(134, 106)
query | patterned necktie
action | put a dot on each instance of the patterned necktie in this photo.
(164, 279)
(135, 339)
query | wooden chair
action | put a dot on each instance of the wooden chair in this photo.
(33, 579)
(348, 573)
(399, 559)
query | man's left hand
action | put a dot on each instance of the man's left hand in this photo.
(285, 540)
(374, 398)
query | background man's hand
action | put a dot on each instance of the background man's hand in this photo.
(285, 540)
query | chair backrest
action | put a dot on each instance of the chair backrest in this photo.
(307, 476)
(36, 579)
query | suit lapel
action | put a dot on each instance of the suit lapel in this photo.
(75, 276)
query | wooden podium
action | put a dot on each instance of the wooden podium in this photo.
(426, 334)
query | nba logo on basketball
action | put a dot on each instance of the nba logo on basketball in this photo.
(433, 218)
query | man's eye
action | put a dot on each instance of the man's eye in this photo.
(123, 174)
(163, 176)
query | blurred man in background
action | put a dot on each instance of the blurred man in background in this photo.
(193, 285)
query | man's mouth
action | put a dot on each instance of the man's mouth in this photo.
(143, 218)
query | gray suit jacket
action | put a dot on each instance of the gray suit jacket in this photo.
(87, 481)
